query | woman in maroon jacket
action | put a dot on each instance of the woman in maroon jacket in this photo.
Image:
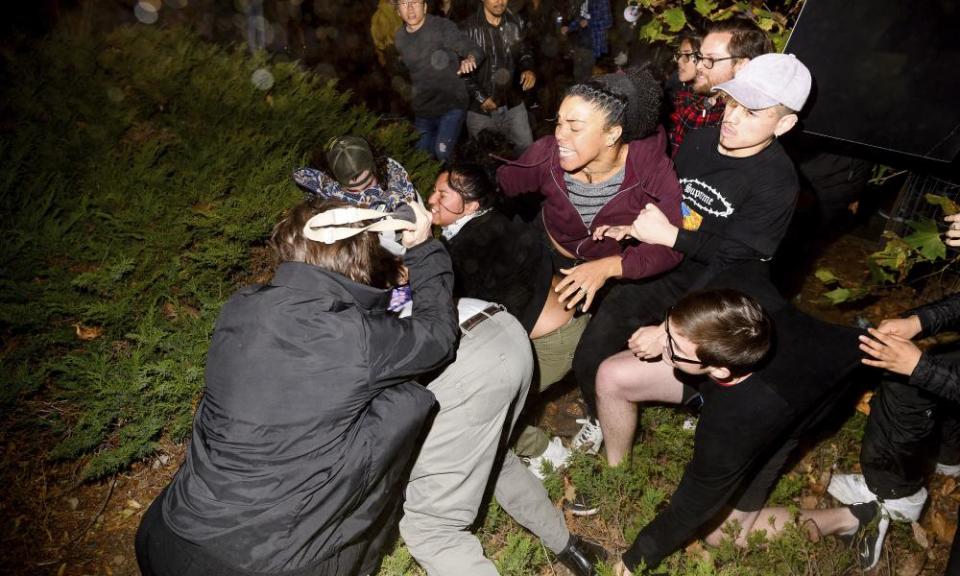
(605, 162)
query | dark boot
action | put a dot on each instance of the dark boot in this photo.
(581, 556)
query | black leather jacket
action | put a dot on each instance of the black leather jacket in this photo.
(506, 54)
(935, 373)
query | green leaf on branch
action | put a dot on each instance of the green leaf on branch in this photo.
(704, 7)
(895, 256)
(826, 276)
(926, 240)
(766, 24)
(675, 19)
(842, 295)
(652, 31)
(949, 206)
(879, 274)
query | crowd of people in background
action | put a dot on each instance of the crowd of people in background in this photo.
(378, 380)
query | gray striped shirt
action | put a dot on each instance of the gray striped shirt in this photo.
(588, 199)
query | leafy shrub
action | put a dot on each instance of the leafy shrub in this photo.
(142, 169)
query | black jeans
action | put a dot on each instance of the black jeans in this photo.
(908, 430)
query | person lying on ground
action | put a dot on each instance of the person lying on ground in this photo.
(507, 261)
(465, 450)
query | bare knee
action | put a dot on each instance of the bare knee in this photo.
(613, 378)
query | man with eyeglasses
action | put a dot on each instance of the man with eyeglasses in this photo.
(437, 54)
(756, 404)
(726, 48)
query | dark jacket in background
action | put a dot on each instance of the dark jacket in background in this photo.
(506, 54)
(309, 418)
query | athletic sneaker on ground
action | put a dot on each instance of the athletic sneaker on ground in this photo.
(589, 438)
(852, 489)
(556, 454)
(869, 535)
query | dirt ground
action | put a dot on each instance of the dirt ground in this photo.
(51, 524)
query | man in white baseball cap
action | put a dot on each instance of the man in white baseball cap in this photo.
(762, 103)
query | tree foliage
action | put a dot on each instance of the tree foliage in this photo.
(892, 265)
(664, 20)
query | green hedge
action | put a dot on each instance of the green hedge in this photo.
(139, 174)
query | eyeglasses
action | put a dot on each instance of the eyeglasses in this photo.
(709, 62)
(673, 355)
(405, 3)
(684, 57)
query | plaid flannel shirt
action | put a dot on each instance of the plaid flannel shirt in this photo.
(601, 20)
(691, 111)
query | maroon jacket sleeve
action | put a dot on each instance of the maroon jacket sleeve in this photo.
(524, 175)
(643, 260)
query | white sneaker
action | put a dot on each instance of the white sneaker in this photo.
(556, 454)
(948, 470)
(589, 438)
(852, 489)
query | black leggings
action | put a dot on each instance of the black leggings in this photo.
(907, 431)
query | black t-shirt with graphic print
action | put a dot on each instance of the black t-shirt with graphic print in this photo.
(733, 208)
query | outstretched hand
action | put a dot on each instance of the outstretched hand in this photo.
(890, 352)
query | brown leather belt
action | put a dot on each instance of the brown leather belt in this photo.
(479, 317)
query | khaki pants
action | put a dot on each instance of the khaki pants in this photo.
(554, 359)
(480, 395)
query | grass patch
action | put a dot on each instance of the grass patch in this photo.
(138, 171)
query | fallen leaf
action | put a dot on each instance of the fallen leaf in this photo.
(169, 311)
(62, 569)
(809, 502)
(863, 406)
(920, 535)
(949, 485)
(88, 332)
(134, 504)
(945, 531)
(73, 502)
(203, 208)
(911, 566)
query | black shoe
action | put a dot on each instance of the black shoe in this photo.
(581, 556)
(868, 538)
(580, 506)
